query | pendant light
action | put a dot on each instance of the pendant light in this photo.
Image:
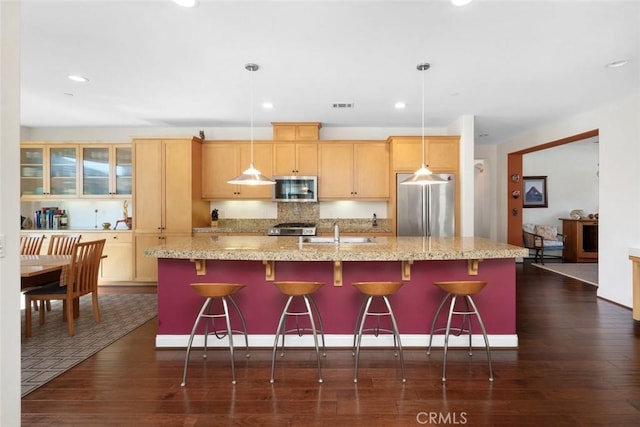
(423, 176)
(251, 176)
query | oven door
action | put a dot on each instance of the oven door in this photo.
(295, 189)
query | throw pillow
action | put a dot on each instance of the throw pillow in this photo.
(548, 232)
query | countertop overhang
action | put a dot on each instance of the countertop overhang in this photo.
(261, 248)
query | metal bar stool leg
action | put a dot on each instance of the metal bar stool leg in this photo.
(315, 335)
(193, 332)
(230, 337)
(359, 338)
(446, 337)
(244, 325)
(433, 322)
(279, 331)
(315, 308)
(484, 334)
(396, 336)
(356, 325)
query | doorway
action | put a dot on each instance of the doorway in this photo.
(514, 182)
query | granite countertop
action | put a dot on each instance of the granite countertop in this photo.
(259, 248)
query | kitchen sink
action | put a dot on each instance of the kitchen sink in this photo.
(345, 239)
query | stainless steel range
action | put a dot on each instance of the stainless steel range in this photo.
(293, 229)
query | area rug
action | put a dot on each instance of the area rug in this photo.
(585, 272)
(50, 351)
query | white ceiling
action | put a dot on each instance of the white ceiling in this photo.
(513, 64)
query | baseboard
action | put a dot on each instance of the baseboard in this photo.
(337, 341)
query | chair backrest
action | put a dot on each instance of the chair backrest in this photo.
(30, 244)
(62, 244)
(85, 266)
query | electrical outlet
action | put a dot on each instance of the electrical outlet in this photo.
(2, 242)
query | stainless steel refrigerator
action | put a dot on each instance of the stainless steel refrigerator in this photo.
(426, 210)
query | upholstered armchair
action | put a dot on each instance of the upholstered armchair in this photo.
(540, 238)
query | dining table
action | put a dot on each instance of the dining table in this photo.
(40, 270)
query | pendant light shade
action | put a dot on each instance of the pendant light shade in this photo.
(423, 176)
(251, 176)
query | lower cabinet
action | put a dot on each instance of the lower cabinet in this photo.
(117, 266)
(146, 268)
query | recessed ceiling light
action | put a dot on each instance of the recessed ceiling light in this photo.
(186, 3)
(400, 105)
(460, 2)
(267, 105)
(616, 64)
(79, 79)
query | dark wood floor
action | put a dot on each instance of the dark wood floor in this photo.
(578, 364)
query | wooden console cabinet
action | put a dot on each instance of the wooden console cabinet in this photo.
(581, 241)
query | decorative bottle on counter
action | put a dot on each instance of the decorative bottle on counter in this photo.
(64, 220)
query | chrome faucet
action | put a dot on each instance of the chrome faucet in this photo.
(336, 232)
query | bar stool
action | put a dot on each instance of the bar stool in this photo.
(455, 289)
(373, 290)
(213, 291)
(303, 290)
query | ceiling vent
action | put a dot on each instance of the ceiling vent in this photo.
(342, 105)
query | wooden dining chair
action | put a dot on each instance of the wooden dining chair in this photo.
(81, 278)
(62, 244)
(30, 244)
(59, 244)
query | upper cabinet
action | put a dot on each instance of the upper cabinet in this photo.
(224, 160)
(48, 171)
(296, 131)
(441, 153)
(295, 158)
(106, 170)
(353, 170)
(55, 171)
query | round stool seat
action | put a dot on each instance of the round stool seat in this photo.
(216, 290)
(298, 288)
(378, 288)
(462, 287)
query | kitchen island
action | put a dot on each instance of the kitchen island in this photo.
(257, 261)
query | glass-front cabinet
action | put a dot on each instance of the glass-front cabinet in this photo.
(48, 171)
(106, 171)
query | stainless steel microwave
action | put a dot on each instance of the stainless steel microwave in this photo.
(295, 189)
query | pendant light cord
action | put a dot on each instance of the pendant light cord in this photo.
(251, 96)
(423, 153)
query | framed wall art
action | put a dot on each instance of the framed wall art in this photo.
(534, 190)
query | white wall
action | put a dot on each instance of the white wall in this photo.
(619, 186)
(488, 155)
(465, 127)
(9, 212)
(572, 182)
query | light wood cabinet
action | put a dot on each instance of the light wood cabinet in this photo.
(48, 171)
(356, 170)
(441, 153)
(106, 171)
(117, 266)
(291, 158)
(222, 161)
(167, 196)
(296, 131)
